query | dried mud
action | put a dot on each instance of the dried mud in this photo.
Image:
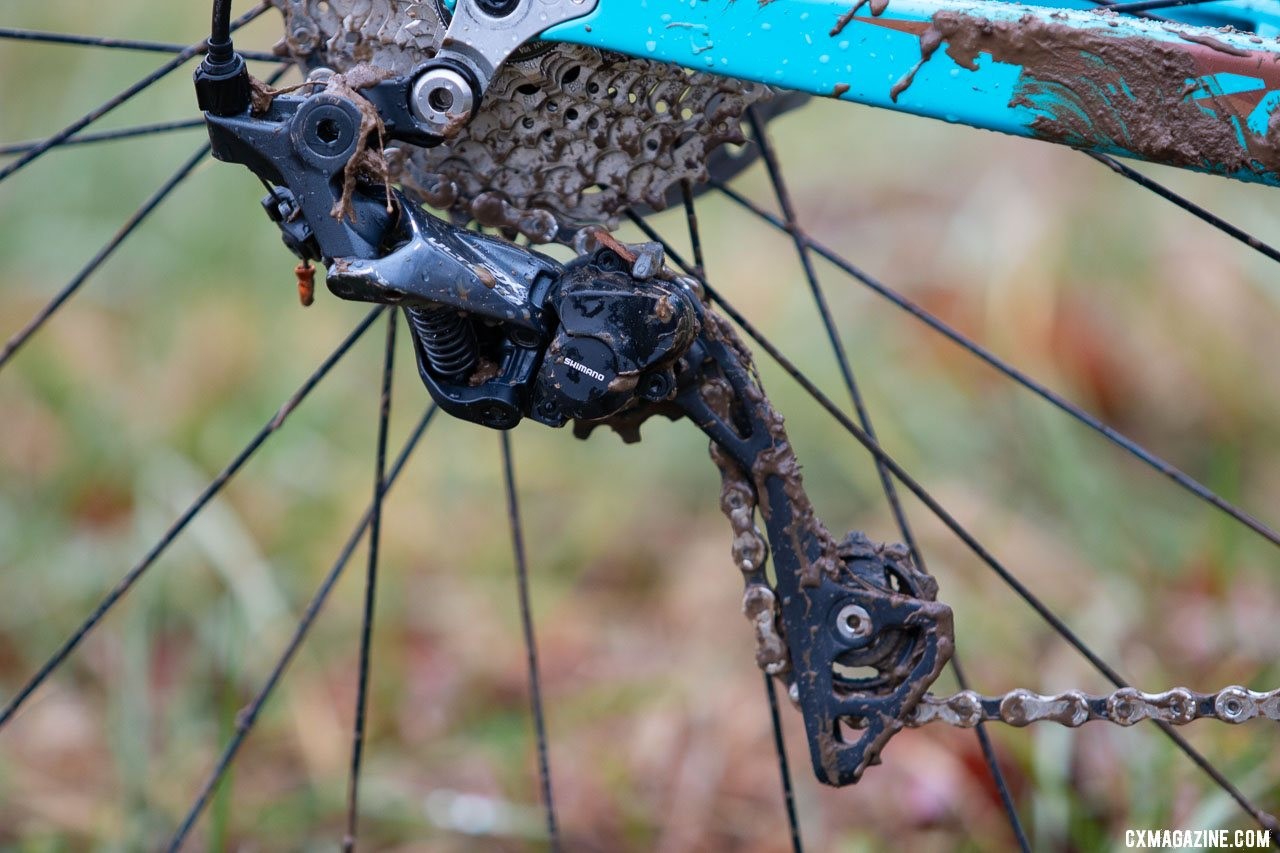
(1100, 89)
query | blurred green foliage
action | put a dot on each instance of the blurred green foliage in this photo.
(188, 339)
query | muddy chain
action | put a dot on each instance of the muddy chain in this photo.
(1073, 708)
(759, 601)
(1021, 707)
(966, 709)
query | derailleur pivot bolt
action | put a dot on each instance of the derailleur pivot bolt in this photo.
(326, 130)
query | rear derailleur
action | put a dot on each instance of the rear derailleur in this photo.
(503, 333)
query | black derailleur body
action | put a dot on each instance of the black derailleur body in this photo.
(502, 332)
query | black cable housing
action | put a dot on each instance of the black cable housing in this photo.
(220, 49)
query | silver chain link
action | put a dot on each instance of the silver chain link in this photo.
(1073, 708)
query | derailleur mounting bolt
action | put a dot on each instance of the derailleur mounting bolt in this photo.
(442, 99)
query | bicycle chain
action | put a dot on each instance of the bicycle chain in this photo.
(965, 709)
(1072, 708)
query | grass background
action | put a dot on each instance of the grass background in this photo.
(187, 340)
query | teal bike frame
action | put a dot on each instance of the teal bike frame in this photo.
(1182, 93)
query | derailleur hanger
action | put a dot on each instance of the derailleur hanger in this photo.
(437, 98)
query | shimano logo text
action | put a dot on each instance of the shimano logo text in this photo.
(582, 368)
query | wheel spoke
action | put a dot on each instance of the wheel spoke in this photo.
(24, 334)
(248, 715)
(1190, 484)
(779, 744)
(993, 765)
(187, 516)
(370, 586)
(107, 135)
(17, 34)
(530, 644)
(1266, 820)
(800, 240)
(695, 236)
(1186, 204)
(110, 104)
(784, 767)
(34, 325)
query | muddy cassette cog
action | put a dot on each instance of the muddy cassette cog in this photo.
(567, 136)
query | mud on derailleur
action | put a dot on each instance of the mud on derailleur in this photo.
(503, 333)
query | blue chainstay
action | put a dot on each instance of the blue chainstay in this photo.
(789, 43)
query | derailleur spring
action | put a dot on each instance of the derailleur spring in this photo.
(448, 339)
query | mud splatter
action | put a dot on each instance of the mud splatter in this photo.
(778, 460)
(1092, 89)
(1210, 41)
(368, 161)
(929, 43)
(485, 370)
(877, 9)
(492, 209)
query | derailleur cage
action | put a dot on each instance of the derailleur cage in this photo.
(502, 332)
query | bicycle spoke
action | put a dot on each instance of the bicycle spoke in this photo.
(993, 765)
(107, 135)
(33, 325)
(248, 715)
(60, 298)
(779, 744)
(1266, 820)
(109, 105)
(370, 586)
(188, 515)
(695, 236)
(17, 34)
(1186, 204)
(799, 239)
(530, 645)
(784, 767)
(1190, 484)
